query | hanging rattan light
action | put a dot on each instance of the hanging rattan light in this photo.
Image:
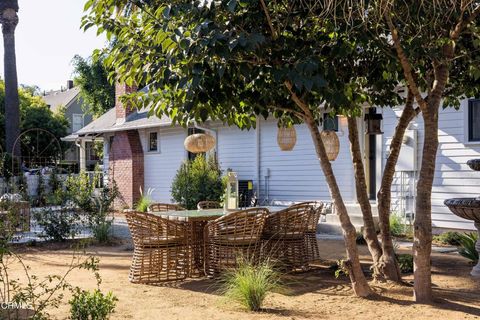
(332, 144)
(286, 138)
(199, 142)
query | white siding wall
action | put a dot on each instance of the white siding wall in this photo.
(453, 178)
(237, 151)
(296, 175)
(161, 167)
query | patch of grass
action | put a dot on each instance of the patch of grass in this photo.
(467, 246)
(249, 284)
(451, 238)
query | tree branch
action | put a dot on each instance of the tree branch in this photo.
(462, 23)
(269, 20)
(406, 66)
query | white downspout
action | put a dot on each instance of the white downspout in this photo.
(257, 155)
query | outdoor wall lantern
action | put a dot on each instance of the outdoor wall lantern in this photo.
(373, 122)
(199, 142)
(286, 138)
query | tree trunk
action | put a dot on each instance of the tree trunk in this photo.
(357, 277)
(369, 231)
(9, 20)
(422, 245)
(388, 263)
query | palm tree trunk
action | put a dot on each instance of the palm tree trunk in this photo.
(369, 231)
(357, 277)
(9, 21)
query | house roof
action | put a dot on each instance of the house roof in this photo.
(56, 99)
(108, 123)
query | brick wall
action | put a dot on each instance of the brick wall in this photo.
(126, 166)
(120, 90)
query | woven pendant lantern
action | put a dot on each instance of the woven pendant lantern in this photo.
(332, 144)
(286, 138)
(199, 142)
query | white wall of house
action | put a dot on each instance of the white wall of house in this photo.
(453, 178)
(237, 151)
(162, 165)
(296, 175)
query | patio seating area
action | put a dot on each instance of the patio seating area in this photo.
(172, 244)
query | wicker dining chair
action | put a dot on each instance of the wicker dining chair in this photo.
(163, 207)
(232, 237)
(161, 251)
(284, 236)
(311, 244)
(207, 204)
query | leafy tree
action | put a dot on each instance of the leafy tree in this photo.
(436, 44)
(92, 78)
(231, 62)
(34, 113)
(9, 21)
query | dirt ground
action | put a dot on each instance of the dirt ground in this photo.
(314, 294)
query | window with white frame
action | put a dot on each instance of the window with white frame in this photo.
(153, 141)
(474, 120)
(77, 122)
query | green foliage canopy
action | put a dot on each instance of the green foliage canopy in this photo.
(221, 60)
(91, 77)
(34, 113)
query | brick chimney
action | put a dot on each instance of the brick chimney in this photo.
(123, 111)
(126, 165)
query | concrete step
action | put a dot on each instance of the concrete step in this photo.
(330, 224)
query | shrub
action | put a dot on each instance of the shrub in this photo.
(452, 238)
(86, 305)
(197, 180)
(94, 205)
(57, 225)
(101, 231)
(405, 262)
(467, 246)
(397, 227)
(248, 284)
(340, 268)
(145, 201)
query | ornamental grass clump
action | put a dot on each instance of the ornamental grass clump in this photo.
(145, 200)
(249, 283)
(467, 246)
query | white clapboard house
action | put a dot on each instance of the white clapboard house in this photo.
(142, 151)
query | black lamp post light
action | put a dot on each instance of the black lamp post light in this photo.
(374, 121)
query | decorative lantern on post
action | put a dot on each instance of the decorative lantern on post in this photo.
(231, 199)
(331, 143)
(286, 138)
(199, 142)
(373, 122)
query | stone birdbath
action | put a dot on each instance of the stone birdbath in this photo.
(469, 208)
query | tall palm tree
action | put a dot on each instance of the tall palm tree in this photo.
(9, 21)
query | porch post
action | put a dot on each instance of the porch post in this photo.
(83, 156)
